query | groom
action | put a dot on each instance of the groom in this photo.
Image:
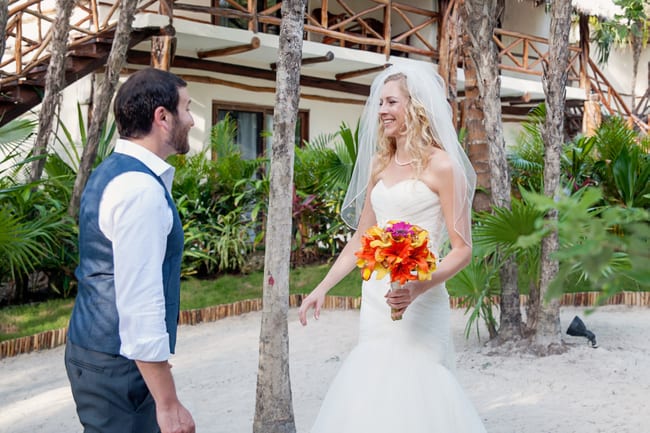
(123, 326)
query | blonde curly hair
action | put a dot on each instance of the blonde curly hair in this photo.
(420, 137)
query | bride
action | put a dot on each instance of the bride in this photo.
(400, 376)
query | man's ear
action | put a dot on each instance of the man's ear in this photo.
(161, 117)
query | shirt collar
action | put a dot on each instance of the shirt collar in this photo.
(157, 165)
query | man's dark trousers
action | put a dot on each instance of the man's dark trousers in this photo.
(110, 393)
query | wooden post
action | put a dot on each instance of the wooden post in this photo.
(18, 47)
(448, 43)
(324, 16)
(162, 51)
(585, 83)
(592, 116)
(388, 28)
(252, 9)
(166, 7)
(163, 47)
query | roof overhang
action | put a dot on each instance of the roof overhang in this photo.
(606, 9)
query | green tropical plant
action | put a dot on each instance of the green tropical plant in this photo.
(24, 243)
(604, 246)
(70, 148)
(577, 162)
(506, 233)
(623, 163)
(15, 133)
(477, 287)
(34, 228)
(629, 28)
(526, 157)
(326, 163)
(232, 240)
(221, 199)
(35, 213)
(631, 173)
(323, 168)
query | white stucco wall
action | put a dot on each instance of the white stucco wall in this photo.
(523, 17)
(324, 117)
(618, 71)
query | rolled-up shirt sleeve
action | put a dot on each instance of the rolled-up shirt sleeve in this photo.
(135, 216)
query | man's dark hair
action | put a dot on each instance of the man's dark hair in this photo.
(138, 98)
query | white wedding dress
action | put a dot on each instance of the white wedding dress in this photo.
(400, 376)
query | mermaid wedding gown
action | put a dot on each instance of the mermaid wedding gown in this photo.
(399, 378)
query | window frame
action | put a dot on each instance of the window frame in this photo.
(262, 144)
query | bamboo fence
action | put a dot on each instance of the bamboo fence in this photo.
(57, 337)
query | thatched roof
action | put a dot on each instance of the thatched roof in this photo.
(605, 9)
(600, 8)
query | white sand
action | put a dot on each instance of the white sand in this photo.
(585, 390)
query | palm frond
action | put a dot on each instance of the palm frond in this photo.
(503, 228)
(15, 133)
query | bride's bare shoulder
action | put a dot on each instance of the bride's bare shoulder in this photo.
(439, 161)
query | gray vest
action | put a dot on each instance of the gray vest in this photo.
(94, 324)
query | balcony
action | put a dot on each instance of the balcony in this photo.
(342, 45)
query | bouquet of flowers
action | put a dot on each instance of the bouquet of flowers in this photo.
(400, 249)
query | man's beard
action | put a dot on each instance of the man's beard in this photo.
(179, 141)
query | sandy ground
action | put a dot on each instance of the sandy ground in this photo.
(585, 390)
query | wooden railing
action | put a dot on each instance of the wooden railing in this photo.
(30, 29)
(384, 27)
(524, 54)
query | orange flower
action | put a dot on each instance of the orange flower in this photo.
(401, 249)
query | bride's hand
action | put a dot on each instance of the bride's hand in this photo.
(314, 300)
(400, 299)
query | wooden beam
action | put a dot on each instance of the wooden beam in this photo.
(517, 110)
(328, 57)
(142, 58)
(257, 89)
(359, 72)
(522, 99)
(237, 49)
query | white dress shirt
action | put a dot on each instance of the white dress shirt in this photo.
(135, 217)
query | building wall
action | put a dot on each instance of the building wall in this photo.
(522, 17)
(324, 117)
(618, 71)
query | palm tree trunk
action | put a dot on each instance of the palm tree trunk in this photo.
(480, 17)
(54, 84)
(548, 336)
(4, 14)
(473, 120)
(273, 406)
(101, 104)
(449, 37)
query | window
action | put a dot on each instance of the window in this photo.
(255, 127)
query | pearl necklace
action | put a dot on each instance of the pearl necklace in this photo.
(402, 164)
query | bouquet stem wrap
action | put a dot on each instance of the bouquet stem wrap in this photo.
(395, 314)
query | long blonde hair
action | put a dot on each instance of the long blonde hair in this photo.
(420, 137)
